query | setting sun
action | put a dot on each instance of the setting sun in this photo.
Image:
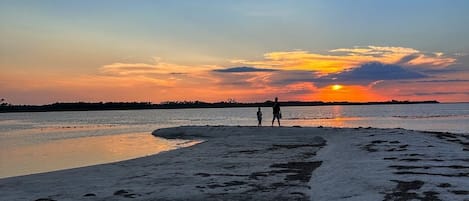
(336, 87)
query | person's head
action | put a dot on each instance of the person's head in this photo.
(259, 108)
(276, 99)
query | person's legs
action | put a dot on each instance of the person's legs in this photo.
(276, 116)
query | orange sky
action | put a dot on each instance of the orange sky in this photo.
(295, 75)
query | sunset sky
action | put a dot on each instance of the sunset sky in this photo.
(250, 51)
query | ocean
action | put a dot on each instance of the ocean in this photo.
(47, 141)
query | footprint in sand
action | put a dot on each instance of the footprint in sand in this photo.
(126, 194)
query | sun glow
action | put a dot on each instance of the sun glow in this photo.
(336, 87)
(350, 93)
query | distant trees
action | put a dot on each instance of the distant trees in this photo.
(85, 106)
(231, 100)
(3, 102)
(182, 102)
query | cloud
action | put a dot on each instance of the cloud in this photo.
(441, 93)
(376, 50)
(158, 67)
(461, 65)
(407, 59)
(247, 79)
(370, 73)
(400, 55)
(444, 81)
(301, 60)
(341, 59)
(379, 71)
(442, 71)
(282, 78)
(122, 69)
(243, 69)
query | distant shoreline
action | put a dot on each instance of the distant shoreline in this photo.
(102, 106)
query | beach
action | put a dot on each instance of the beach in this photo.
(265, 163)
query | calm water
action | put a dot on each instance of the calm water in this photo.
(38, 142)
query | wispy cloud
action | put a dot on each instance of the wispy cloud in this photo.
(124, 69)
(157, 67)
(376, 50)
(243, 69)
(400, 55)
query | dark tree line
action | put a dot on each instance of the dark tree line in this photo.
(3, 102)
(85, 106)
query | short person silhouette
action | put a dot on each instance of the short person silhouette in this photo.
(259, 116)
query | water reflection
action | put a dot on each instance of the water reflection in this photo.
(337, 121)
(77, 152)
(337, 111)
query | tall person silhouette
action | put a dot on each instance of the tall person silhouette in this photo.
(277, 113)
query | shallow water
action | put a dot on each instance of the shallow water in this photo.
(77, 152)
(46, 141)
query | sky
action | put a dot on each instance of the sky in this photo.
(249, 51)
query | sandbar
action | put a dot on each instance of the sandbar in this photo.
(271, 163)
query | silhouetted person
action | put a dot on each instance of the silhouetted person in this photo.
(277, 113)
(259, 116)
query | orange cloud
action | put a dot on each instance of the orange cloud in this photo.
(346, 58)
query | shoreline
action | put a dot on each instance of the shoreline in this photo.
(252, 163)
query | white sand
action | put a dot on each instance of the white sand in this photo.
(250, 163)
